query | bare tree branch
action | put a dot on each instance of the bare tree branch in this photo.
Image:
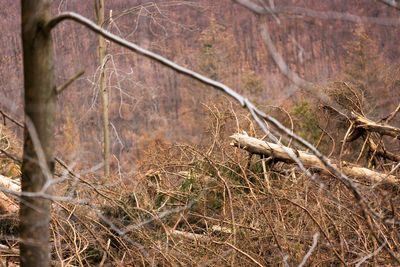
(312, 248)
(131, 46)
(5, 115)
(257, 114)
(305, 85)
(326, 15)
(241, 252)
(243, 101)
(371, 126)
(391, 3)
(371, 255)
(393, 114)
(69, 82)
(366, 209)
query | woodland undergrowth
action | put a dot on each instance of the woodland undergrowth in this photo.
(215, 205)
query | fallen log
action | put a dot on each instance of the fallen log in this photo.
(9, 183)
(256, 146)
(371, 126)
(7, 203)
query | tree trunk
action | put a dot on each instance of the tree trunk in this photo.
(40, 101)
(260, 147)
(99, 8)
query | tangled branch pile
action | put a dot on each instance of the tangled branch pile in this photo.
(221, 205)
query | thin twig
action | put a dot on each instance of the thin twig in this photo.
(131, 46)
(323, 15)
(11, 119)
(69, 82)
(312, 248)
(391, 3)
(371, 255)
(241, 252)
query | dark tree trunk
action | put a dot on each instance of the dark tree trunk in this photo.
(40, 116)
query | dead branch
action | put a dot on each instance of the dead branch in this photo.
(9, 183)
(9, 251)
(5, 115)
(241, 252)
(256, 146)
(300, 12)
(393, 114)
(383, 153)
(391, 3)
(69, 82)
(133, 47)
(371, 126)
(190, 236)
(7, 204)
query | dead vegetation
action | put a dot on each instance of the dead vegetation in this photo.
(220, 205)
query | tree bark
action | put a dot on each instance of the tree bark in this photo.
(40, 103)
(99, 8)
(260, 147)
(371, 126)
